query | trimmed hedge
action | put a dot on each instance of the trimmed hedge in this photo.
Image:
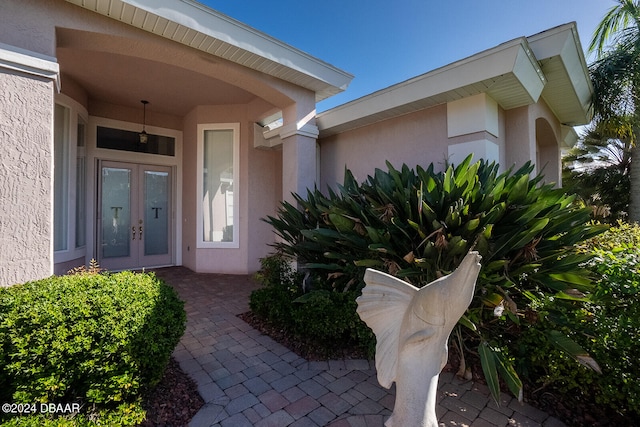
(102, 340)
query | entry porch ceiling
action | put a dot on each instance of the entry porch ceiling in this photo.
(125, 80)
(193, 24)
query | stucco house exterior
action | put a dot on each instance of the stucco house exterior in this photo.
(231, 129)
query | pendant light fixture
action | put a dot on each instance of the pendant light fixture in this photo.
(144, 137)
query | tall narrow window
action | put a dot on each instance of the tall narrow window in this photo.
(81, 187)
(60, 177)
(218, 172)
(69, 180)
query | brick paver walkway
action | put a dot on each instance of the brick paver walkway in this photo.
(247, 379)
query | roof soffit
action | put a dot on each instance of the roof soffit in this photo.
(193, 24)
(509, 73)
(568, 91)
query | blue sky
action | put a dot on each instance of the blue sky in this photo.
(385, 42)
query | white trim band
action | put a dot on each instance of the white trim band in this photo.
(28, 62)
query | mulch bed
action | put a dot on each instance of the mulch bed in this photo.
(174, 401)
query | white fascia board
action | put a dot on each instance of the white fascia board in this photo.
(528, 72)
(194, 15)
(28, 62)
(568, 137)
(562, 44)
(265, 139)
(512, 57)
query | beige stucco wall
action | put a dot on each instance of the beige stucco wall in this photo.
(26, 138)
(525, 139)
(260, 190)
(529, 133)
(417, 138)
(30, 24)
(264, 192)
(59, 29)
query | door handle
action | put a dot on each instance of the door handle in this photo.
(140, 236)
(133, 231)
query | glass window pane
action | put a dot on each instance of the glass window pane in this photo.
(156, 213)
(116, 212)
(60, 177)
(118, 139)
(217, 194)
(81, 203)
(81, 187)
(81, 132)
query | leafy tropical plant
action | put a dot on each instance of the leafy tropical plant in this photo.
(616, 82)
(598, 170)
(419, 224)
(607, 326)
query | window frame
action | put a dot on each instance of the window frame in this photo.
(201, 242)
(76, 113)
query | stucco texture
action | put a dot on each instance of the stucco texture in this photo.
(414, 139)
(26, 109)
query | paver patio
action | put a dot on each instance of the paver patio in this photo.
(248, 379)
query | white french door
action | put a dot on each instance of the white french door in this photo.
(135, 216)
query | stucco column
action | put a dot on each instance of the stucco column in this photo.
(299, 154)
(299, 162)
(473, 127)
(28, 82)
(520, 138)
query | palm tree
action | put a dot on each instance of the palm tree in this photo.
(597, 169)
(616, 82)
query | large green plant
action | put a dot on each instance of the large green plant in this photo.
(608, 327)
(418, 225)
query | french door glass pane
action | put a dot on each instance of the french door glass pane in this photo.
(156, 213)
(217, 203)
(116, 212)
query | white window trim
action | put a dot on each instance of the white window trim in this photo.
(75, 110)
(201, 243)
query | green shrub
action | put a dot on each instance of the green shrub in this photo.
(608, 327)
(125, 415)
(281, 285)
(330, 318)
(98, 339)
(419, 224)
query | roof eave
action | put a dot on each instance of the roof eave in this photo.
(509, 73)
(569, 90)
(550, 65)
(198, 26)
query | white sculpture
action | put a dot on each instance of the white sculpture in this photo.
(412, 327)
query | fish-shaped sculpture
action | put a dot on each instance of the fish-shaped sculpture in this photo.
(412, 327)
